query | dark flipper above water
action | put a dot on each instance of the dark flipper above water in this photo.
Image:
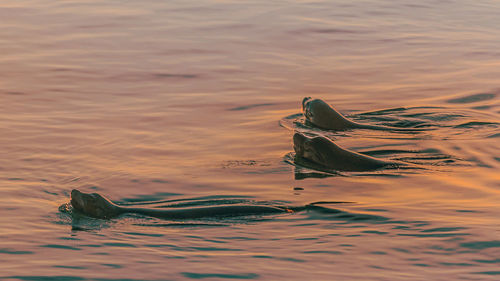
(322, 115)
(325, 152)
(94, 205)
(97, 206)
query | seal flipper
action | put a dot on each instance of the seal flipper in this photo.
(94, 205)
(325, 152)
(321, 114)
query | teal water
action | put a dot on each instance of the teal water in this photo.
(195, 103)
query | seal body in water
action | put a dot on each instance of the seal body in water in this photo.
(322, 115)
(97, 206)
(325, 152)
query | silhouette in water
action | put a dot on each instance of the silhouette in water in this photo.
(322, 115)
(97, 206)
(325, 152)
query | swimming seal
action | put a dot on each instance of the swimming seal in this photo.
(322, 115)
(325, 152)
(97, 206)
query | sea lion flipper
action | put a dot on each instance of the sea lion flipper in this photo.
(326, 153)
(323, 115)
(94, 205)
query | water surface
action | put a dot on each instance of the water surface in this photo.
(148, 101)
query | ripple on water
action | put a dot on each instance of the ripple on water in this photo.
(193, 275)
(473, 98)
(14, 252)
(480, 245)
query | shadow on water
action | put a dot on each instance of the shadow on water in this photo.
(473, 98)
(304, 168)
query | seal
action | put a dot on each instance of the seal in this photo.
(322, 115)
(325, 152)
(97, 206)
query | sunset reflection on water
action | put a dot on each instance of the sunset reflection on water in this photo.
(181, 100)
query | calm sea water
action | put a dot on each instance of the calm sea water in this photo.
(196, 101)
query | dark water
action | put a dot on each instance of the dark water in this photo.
(194, 103)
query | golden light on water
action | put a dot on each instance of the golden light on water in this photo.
(196, 102)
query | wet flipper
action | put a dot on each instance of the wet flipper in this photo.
(325, 152)
(322, 115)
